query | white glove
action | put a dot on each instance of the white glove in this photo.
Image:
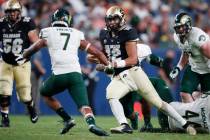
(174, 73)
(20, 60)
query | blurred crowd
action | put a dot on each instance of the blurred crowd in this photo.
(153, 19)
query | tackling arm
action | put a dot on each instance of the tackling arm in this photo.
(183, 60)
(85, 45)
(34, 48)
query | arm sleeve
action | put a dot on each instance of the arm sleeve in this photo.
(201, 38)
(31, 25)
(43, 34)
(82, 36)
(131, 35)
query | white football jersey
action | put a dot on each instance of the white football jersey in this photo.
(196, 38)
(143, 51)
(197, 112)
(63, 44)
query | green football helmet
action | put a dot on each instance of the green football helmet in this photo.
(183, 24)
(61, 17)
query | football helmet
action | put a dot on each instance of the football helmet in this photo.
(183, 24)
(115, 18)
(61, 17)
(13, 10)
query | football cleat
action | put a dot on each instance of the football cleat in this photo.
(134, 122)
(123, 128)
(67, 126)
(33, 114)
(97, 131)
(146, 127)
(5, 122)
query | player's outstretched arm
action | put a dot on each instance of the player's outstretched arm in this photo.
(85, 45)
(181, 64)
(34, 48)
(205, 49)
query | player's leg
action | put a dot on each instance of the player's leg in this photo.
(189, 83)
(115, 91)
(128, 103)
(52, 86)
(6, 83)
(149, 93)
(78, 92)
(165, 94)
(22, 76)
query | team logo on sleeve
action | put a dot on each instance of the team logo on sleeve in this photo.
(202, 38)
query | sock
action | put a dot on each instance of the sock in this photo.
(146, 120)
(117, 111)
(4, 114)
(62, 113)
(87, 112)
(171, 112)
(90, 120)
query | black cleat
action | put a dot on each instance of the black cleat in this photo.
(123, 128)
(97, 131)
(33, 114)
(146, 127)
(67, 126)
(134, 122)
(5, 122)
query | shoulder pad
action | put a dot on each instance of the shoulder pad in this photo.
(127, 28)
(26, 19)
(2, 19)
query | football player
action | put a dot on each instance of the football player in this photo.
(119, 44)
(144, 53)
(16, 34)
(63, 43)
(195, 46)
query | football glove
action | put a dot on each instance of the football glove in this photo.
(107, 69)
(19, 59)
(174, 73)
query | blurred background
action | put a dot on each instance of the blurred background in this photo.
(153, 20)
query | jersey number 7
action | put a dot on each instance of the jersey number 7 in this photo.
(67, 35)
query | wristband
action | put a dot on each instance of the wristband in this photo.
(120, 63)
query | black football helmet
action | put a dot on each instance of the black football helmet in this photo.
(183, 24)
(61, 17)
(115, 18)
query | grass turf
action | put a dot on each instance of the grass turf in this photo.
(48, 128)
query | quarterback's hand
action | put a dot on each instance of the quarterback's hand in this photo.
(174, 73)
(19, 59)
(107, 69)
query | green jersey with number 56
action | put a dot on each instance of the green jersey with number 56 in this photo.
(194, 40)
(63, 44)
(14, 37)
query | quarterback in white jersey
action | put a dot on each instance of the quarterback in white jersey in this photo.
(195, 46)
(197, 112)
(63, 43)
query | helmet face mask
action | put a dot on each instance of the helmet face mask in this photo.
(61, 17)
(114, 18)
(13, 10)
(183, 24)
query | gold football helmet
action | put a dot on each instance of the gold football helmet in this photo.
(115, 18)
(13, 5)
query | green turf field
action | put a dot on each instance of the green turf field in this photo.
(48, 128)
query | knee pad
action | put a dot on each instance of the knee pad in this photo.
(4, 100)
(24, 94)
